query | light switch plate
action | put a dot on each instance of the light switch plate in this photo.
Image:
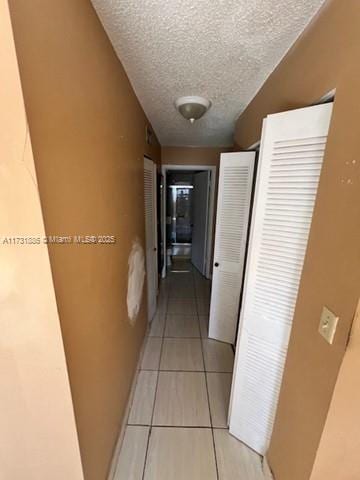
(328, 324)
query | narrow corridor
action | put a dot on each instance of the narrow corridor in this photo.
(177, 427)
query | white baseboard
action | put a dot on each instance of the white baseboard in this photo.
(266, 470)
(120, 439)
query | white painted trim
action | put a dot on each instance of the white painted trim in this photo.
(266, 470)
(328, 97)
(254, 146)
(211, 220)
(212, 168)
(188, 167)
(189, 145)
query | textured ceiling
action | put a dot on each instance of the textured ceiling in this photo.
(220, 49)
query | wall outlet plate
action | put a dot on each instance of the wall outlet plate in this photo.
(328, 324)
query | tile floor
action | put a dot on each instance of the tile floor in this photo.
(177, 427)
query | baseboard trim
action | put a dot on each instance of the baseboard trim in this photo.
(267, 470)
(116, 453)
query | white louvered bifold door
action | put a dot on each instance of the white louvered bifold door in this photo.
(291, 155)
(151, 235)
(232, 218)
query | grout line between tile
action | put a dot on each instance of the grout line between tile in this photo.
(183, 338)
(156, 391)
(208, 396)
(158, 370)
(183, 371)
(175, 426)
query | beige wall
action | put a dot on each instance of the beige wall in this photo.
(324, 58)
(192, 155)
(338, 454)
(88, 134)
(38, 437)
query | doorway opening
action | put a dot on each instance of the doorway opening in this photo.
(187, 217)
(179, 213)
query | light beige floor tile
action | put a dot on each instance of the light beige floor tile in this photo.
(202, 290)
(162, 303)
(266, 470)
(235, 460)
(180, 285)
(161, 310)
(132, 454)
(144, 396)
(157, 325)
(204, 325)
(151, 356)
(201, 282)
(177, 278)
(185, 326)
(163, 291)
(180, 454)
(179, 306)
(203, 306)
(219, 386)
(182, 354)
(205, 297)
(218, 356)
(162, 306)
(198, 276)
(181, 264)
(181, 400)
(164, 288)
(182, 290)
(163, 296)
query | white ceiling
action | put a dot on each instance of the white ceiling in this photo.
(220, 49)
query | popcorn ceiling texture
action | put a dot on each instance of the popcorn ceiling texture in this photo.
(220, 49)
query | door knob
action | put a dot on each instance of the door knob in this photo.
(216, 264)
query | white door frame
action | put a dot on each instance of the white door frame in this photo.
(212, 168)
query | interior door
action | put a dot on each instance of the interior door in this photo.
(233, 206)
(200, 203)
(291, 155)
(151, 235)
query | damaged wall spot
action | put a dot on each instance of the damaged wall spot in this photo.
(136, 277)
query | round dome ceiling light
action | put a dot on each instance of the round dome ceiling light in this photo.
(192, 107)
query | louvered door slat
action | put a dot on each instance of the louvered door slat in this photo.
(235, 186)
(292, 149)
(150, 234)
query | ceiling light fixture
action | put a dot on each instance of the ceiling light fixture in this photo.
(192, 107)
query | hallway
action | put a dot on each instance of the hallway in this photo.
(109, 109)
(177, 424)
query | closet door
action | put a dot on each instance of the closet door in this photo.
(151, 235)
(291, 155)
(200, 201)
(232, 218)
